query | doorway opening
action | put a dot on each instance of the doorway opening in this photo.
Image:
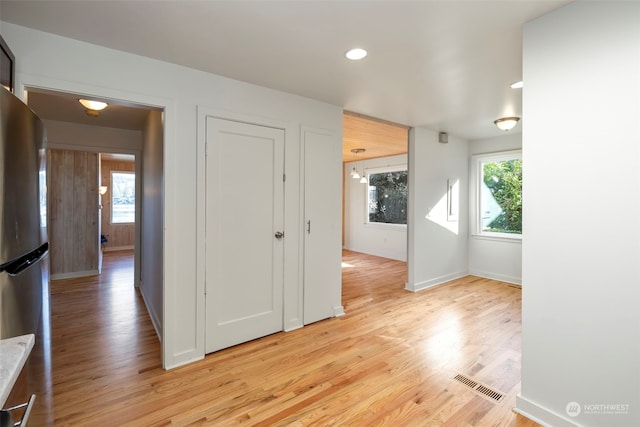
(375, 187)
(84, 150)
(118, 219)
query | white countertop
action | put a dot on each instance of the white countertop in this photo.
(13, 355)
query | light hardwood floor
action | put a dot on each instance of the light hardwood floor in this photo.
(388, 361)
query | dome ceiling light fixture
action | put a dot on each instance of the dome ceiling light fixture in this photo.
(506, 123)
(93, 108)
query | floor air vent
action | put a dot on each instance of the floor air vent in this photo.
(479, 388)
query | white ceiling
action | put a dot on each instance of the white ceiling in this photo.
(444, 65)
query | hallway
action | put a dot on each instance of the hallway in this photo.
(101, 337)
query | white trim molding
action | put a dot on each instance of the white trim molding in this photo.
(539, 414)
(421, 286)
(496, 276)
(74, 274)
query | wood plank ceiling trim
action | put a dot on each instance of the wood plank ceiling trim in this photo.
(378, 137)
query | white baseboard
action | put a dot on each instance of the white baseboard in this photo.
(292, 327)
(421, 286)
(539, 414)
(119, 248)
(155, 320)
(182, 360)
(398, 256)
(338, 311)
(292, 324)
(74, 274)
(496, 276)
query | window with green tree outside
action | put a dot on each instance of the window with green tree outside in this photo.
(499, 194)
(387, 195)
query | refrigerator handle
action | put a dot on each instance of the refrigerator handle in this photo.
(20, 264)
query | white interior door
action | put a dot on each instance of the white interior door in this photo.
(244, 212)
(323, 226)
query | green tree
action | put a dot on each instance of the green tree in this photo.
(504, 180)
(389, 204)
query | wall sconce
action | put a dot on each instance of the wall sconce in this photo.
(102, 190)
(93, 108)
(506, 123)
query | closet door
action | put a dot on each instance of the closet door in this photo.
(244, 222)
(323, 225)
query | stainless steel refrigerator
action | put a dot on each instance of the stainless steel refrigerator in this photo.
(24, 265)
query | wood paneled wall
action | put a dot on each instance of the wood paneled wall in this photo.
(119, 236)
(73, 213)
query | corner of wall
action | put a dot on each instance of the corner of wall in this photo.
(421, 286)
(537, 413)
(155, 319)
(437, 245)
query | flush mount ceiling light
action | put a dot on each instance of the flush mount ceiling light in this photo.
(92, 107)
(356, 54)
(517, 85)
(506, 123)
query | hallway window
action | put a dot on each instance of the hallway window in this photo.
(123, 197)
(387, 195)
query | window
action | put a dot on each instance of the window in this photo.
(387, 195)
(123, 197)
(498, 194)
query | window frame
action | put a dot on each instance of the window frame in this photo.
(477, 162)
(403, 167)
(112, 195)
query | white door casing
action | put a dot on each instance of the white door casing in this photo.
(244, 211)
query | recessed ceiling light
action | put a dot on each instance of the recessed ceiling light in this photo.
(356, 54)
(517, 85)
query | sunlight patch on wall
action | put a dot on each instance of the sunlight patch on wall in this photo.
(445, 211)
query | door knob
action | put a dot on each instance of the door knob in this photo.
(279, 234)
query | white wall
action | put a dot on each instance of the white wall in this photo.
(581, 254)
(380, 240)
(52, 62)
(73, 136)
(151, 247)
(492, 258)
(437, 247)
